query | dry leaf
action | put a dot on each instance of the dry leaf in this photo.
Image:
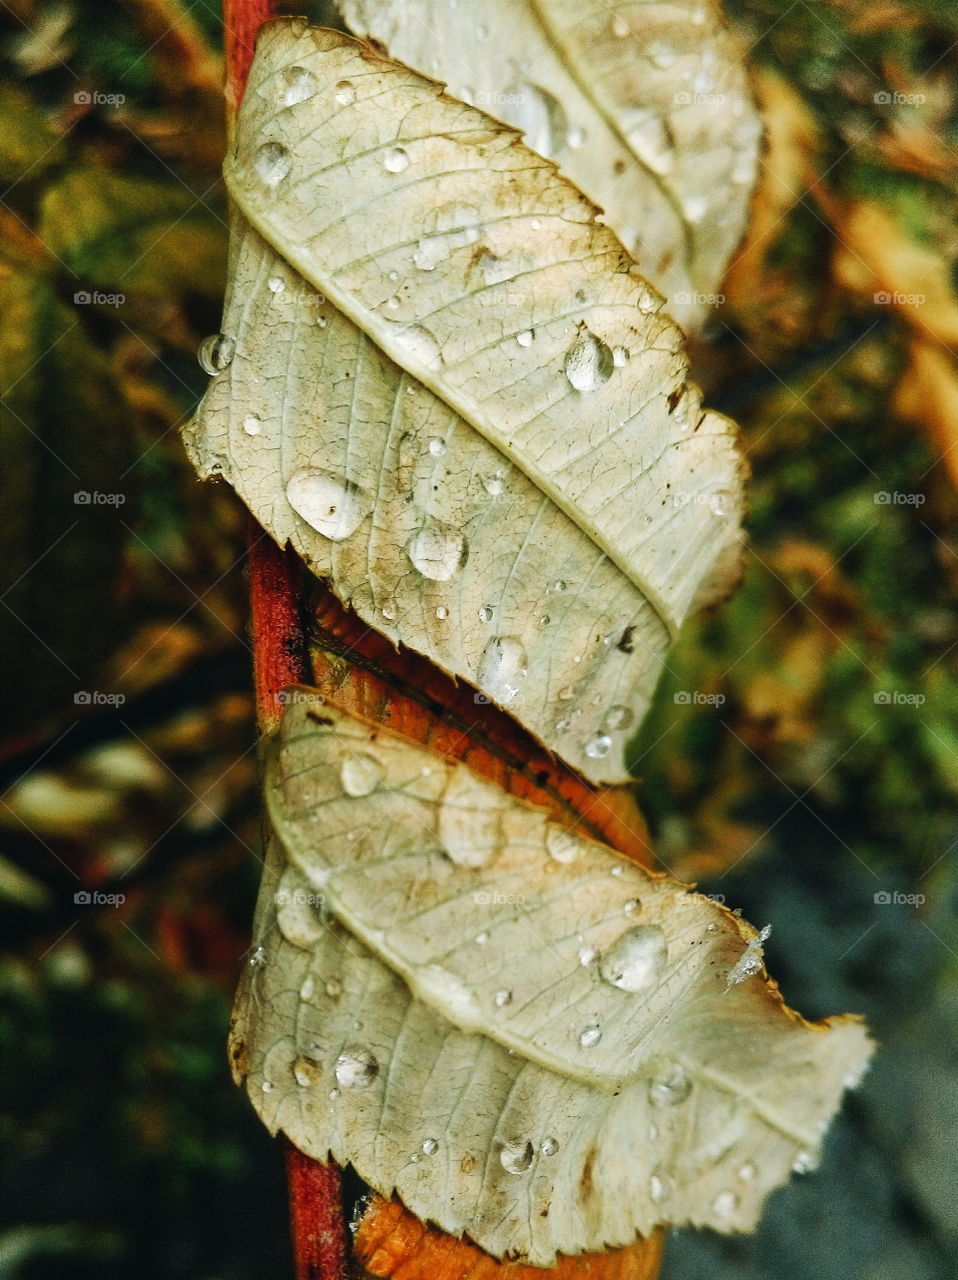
(531, 1040)
(448, 388)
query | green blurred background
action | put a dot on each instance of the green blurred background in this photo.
(802, 756)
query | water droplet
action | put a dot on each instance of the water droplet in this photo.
(442, 613)
(618, 870)
(576, 137)
(333, 507)
(516, 1157)
(393, 303)
(548, 1147)
(804, 1162)
(503, 667)
(438, 551)
(252, 425)
(540, 116)
(536, 224)
(306, 1071)
(215, 353)
(526, 337)
(617, 718)
(750, 961)
(590, 1035)
(257, 959)
(587, 956)
(481, 938)
(635, 961)
(486, 612)
(632, 907)
(356, 1068)
(389, 611)
(747, 1171)
(437, 447)
(272, 163)
(333, 1095)
(670, 1088)
(275, 284)
(620, 27)
(598, 746)
(493, 485)
(418, 342)
(651, 140)
(307, 988)
(345, 93)
(653, 1132)
(544, 620)
(361, 774)
(334, 988)
(296, 85)
(395, 160)
(430, 1147)
(559, 585)
(267, 1086)
(656, 1188)
(502, 998)
(662, 54)
(394, 276)
(561, 844)
(588, 362)
(695, 208)
(725, 1203)
(620, 355)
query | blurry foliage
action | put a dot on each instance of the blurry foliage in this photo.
(798, 797)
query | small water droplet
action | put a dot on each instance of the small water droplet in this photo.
(333, 1095)
(561, 844)
(651, 140)
(670, 1088)
(620, 356)
(307, 988)
(536, 224)
(275, 284)
(257, 959)
(395, 160)
(493, 485)
(576, 137)
(437, 447)
(725, 1203)
(333, 507)
(695, 208)
(618, 870)
(394, 276)
(544, 620)
(481, 938)
(389, 611)
(653, 1132)
(486, 613)
(252, 425)
(356, 1068)
(516, 1157)
(526, 337)
(216, 352)
(635, 961)
(361, 774)
(617, 718)
(620, 27)
(656, 1188)
(548, 1146)
(345, 93)
(540, 116)
(632, 907)
(418, 342)
(747, 1171)
(588, 363)
(442, 613)
(438, 551)
(588, 956)
(333, 988)
(267, 1086)
(503, 667)
(598, 746)
(750, 961)
(430, 1147)
(296, 85)
(306, 1072)
(590, 1035)
(559, 585)
(272, 163)
(804, 1162)
(502, 998)
(662, 54)
(393, 303)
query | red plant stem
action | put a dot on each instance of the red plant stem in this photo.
(279, 659)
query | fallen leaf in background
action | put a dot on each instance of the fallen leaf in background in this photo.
(928, 393)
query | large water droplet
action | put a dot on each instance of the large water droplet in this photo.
(333, 507)
(436, 447)
(561, 844)
(252, 425)
(503, 667)
(272, 163)
(438, 551)
(356, 1068)
(361, 774)
(517, 1157)
(486, 613)
(216, 352)
(345, 93)
(296, 84)
(420, 343)
(430, 1147)
(395, 160)
(598, 746)
(588, 363)
(670, 1088)
(635, 961)
(650, 139)
(590, 1035)
(525, 338)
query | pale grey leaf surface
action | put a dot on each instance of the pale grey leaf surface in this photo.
(645, 106)
(531, 1040)
(497, 459)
